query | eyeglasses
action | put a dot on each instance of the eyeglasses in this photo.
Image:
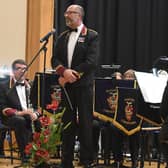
(20, 69)
(70, 12)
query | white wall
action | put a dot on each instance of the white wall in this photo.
(12, 30)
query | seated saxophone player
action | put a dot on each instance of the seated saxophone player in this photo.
(14, 106)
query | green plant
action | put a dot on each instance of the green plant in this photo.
(45, 143)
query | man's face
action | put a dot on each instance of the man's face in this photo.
(18, 71)
(72, 17)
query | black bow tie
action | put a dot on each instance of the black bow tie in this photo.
(73, 30)
(19, 83)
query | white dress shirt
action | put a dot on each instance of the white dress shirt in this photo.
(72, 42)
(21, 91)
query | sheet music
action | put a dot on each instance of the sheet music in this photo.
(151, 86)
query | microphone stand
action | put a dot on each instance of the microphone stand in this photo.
(43, 48)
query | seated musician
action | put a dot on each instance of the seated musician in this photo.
(118, 75)
(113, 138)
(133, 139)
(129, 74)
(14, 106)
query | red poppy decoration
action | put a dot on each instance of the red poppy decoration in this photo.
(53, 106)
(45, 142)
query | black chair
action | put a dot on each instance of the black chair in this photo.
(8, 135)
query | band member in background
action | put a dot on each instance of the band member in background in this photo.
(75, 60)
(129, 75)
(133, 140)
(14, 106)
(113, 138)
(118, 75)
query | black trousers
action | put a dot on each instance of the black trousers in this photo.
(80, 118)
(22, 127)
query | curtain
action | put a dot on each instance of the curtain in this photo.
(133, 33)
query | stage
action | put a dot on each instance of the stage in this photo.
(6, 163)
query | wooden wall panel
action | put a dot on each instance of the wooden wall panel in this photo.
(40, 17)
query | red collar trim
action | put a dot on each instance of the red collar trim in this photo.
(84, 31)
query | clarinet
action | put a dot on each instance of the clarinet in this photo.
(30, 107)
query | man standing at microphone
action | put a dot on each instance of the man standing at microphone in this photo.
(75, 60)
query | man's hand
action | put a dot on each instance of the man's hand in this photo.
(34, 116)
(62, 81)
(29, 112)
(71, 76)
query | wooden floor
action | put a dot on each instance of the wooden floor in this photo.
(5, 163)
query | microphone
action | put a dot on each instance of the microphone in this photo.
(45, 38)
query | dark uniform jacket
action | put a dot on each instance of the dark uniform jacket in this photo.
(9, 97)
(83, 60)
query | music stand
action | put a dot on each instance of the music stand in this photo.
(51, 85)
(151, 86)
(151, 92)
(161, 62)
(105, 70)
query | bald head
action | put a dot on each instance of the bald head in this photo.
(78, 8)
(74, 16)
